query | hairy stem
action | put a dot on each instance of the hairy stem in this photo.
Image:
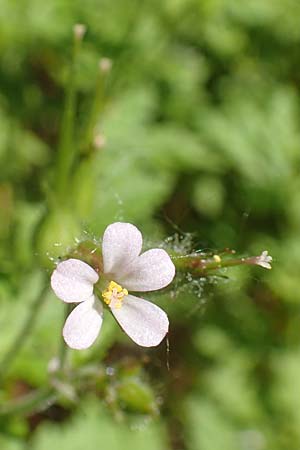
(201, 266)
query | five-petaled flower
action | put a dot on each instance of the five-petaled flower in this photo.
(124, 269)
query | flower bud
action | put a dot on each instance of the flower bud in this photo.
(79, 31)
(136, 396)
(105, 65)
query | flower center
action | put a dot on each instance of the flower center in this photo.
(114, 295)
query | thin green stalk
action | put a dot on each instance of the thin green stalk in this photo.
(40, 398)
(23, 333)
(67, 148)
(97, 106)
(36, 400)
(63, 350)
(202, 266)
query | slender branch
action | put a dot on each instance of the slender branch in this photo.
(36, 400)
(63, 350)
(200, 266)
(21, 337)
(97, 106)
(67, 148)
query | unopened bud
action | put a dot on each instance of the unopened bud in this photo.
(79, 31)
(217, 258)
(105, 65)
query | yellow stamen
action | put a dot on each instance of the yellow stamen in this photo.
(114, 295)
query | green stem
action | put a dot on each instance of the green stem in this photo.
(67, 148)
(63, 351)
(97, 107)
(36, 400)
(21, 337)
(202, 266)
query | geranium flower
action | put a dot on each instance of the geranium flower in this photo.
(124, 269)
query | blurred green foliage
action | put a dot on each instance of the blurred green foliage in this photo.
(202, 127)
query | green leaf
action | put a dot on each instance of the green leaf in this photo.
(93, 428)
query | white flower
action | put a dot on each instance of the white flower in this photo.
(124, 269)
(264, 260)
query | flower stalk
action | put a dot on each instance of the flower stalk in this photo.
(67, 148)
(90, 139)
(201, 266)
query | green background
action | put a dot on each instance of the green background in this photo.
(202, 126)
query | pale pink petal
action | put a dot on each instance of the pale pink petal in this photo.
(145, 323)
(122, 243)
(151, 271)
(73, 280)
(83, 324)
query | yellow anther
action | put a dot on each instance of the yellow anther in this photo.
(114, 295)
(107, 296)
(113, 285)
